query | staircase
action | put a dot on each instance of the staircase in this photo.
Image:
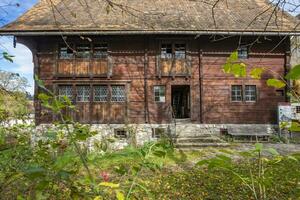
(193, 136)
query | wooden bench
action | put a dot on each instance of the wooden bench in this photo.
(248, 134)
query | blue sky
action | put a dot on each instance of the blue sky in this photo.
(23, 58)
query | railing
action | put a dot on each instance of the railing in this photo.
(174, 67)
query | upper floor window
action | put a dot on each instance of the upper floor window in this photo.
(65, 91)
(236, 93)
(250, 93)
(160, 93)
(100, 93)
(83, 51)
(243, 52)
(118, 93)
(166, 51)
(176, 50)
(65, 52)
(180, 51)
(100, 51)
(83, 93)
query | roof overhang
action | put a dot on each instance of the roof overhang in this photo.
(147, 32)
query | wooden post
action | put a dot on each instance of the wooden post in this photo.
(146, 63)
(200, 85)
(287, 67)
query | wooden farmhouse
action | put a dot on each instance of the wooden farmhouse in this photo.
(158, 62)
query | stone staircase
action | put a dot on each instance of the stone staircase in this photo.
(194, 136)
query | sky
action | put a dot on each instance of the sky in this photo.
(22, 62)
(23, 58)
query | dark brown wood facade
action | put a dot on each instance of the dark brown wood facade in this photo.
(135, 63)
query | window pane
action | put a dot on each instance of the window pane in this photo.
(159, 94)
(83, 93)
(243, 52)
(101, 93)
(65, 52)
(65, 90)
(180, 51)
(250, 93)
(83, 51)
(236, 93)
(118, 93)
(100, 51)
(166, 51)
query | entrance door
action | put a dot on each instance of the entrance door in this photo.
(181, 101)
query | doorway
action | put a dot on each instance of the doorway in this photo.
(181, 101)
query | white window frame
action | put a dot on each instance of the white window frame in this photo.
(248, 97)
(236, 95)
(157, 89)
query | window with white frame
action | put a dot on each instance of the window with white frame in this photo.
(65, 91)
(100, 93)
(250, 93)
(159, 93)
(83, 93)
(100, 51)
(166, 51)
(236, 93)
(180, 51)
(118, 93)
(243, 52)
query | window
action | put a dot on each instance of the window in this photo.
(158, 132)
(118, 93)
(159, 94)
(280, 93)
(100, 51)
(166, 51)
(243, 52)
(83, 51)
(101, 93)
(250, 93)
(297, 109)
(83, 93)
(65, 52)
(120, 133)
(65, 91)
(236, 93)
(180, 51)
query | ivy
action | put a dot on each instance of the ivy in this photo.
(294, 73)
(256, 73)
(275, 83)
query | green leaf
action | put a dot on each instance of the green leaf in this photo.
(275, 83)
(120, 195)
(35, 172)
(258, 147)
(294, 73)
(234, 56)
(292, 158)
(256, 73)
(8, 57)
(238, 70)
(272, 151)
(108, 184)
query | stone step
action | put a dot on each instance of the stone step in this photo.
(203, 139)
(199, 145)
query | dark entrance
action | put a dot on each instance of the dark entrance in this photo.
(181, 101)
